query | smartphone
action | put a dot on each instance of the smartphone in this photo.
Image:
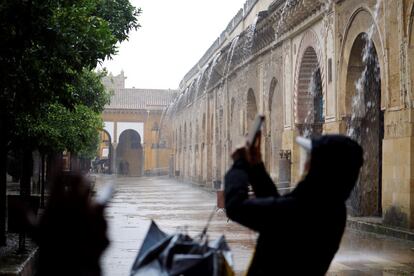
(104, 195)
(255, 128)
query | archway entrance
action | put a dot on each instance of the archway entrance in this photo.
(219, 156)
(210, 150)
(185, 146)
(233, 135)
(203, 155)
(366, 124)
(275, 127)
(309, 109)
(103, 161)
(129, 154)
(251, 109)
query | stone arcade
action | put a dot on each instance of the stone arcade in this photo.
(129, 141)
(300, 62)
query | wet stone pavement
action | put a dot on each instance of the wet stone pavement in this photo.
(174, 205)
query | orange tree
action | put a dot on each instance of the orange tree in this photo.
(45, 46)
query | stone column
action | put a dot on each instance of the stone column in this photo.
(398, 169)
(113, 157)
(284, 170)
(171, 165)
(288, 143)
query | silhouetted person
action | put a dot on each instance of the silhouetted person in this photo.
(126, 168)
(121, 167)
(300, 232)
(72, 231)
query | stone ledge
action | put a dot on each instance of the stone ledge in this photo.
(372, 226)
(13, 264)
(365, 224)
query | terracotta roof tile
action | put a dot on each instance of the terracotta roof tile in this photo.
(133, 98)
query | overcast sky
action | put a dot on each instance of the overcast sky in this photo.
(173, 37)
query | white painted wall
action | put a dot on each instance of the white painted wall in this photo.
(138, 127)
(109, 127)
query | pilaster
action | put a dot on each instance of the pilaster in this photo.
(398, 168)
(113, 157)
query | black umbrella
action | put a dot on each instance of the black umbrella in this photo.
(179, 254)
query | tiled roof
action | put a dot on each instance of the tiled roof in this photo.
(132, 98)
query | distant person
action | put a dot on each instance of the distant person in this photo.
(105, 167)
(300, 232)
(72, 231)
(121, 168)
(126, 168)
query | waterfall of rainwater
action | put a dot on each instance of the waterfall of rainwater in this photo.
(328, 5)
(210, 71)
(200, 77)
(307, 130)
(226, 72)
(248, 40)
(314, 116)
(314, 112)
(365, 126)
(282, 17)
(359, 106)
(252, 32)
(165, 110)
(229, 57)
(168, 110)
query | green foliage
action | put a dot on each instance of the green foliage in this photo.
(45, 44)
(121, 15)
(47, 51)
(58, 128)
(47, 48)
(89, 90)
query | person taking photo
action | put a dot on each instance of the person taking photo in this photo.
(300, 232)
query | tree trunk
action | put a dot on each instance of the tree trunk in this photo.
(42, 182)
(25, 181)
(54, 167)
(3, 180)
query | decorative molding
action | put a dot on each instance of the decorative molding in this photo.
(309, 39)
(131, 111)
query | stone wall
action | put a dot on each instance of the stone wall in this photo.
(269, 67)
(135, 116)
(155, 155)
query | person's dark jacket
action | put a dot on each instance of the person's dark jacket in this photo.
(72, 230)
(299, 233)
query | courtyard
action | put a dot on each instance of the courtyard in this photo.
(177, 206)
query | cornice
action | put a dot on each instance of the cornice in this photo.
(130, 111)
